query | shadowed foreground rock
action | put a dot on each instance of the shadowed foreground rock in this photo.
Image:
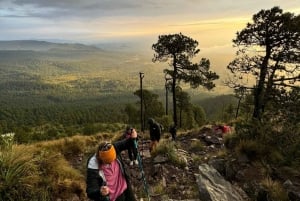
(213, 187)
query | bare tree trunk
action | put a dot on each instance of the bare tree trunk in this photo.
(238, 108)
(174, 102)
(180, 118)
(174, 91)
(260, 88)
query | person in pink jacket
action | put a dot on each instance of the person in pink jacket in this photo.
(106, 174)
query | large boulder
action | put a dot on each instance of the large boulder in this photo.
(213, 187)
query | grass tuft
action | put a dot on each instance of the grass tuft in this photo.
(167, 148)
(275, 190)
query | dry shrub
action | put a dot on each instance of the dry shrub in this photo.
(57, 171)
(196, 145)
(274, 190)
(167, 148)
(67, 188)
(19, 175)
(252, 149)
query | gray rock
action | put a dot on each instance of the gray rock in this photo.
(213, 187)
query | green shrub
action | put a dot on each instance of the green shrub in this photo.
(269, 140)
(158, 188)
(196, 146)
(292, 155)
(73, 146)
(40, 172)
(275, 157)
(19, 176)
(250, 148)
(231, 141)
(167, 148)
(6, 142)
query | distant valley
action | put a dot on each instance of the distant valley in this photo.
(76, 69)
(73, 85)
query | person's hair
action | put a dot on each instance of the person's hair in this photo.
(129, 129)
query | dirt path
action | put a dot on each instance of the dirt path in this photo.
(161, 180)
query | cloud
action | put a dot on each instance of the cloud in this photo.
(84, 8)
(96, 19)
(98, 8)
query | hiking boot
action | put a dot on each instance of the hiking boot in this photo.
(131, 163)
(136, 162)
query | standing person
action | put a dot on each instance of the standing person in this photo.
(173, 131)
(155, 133)
(132, 150)
(106, 176)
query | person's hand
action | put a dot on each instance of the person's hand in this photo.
(104, 190)
(133, 134)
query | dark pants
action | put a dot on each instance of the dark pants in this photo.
(132, 151)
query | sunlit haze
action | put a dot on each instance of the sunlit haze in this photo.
(212, 23)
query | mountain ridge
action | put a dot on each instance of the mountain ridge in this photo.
(37, 45)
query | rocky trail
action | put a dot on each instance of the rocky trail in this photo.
(159, 179)
(162, 179)
(208, 176)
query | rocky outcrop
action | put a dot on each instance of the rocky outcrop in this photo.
(213, 187)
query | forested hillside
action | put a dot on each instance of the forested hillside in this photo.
(75, 67)
(73, 86)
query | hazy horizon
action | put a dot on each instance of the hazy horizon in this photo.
(141, 60)
(93, 21)
(135, 25)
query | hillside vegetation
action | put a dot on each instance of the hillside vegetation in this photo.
(51, 88)
(55, 169)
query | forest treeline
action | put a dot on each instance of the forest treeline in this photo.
(35, 118)
(35, 110)
(52, 90)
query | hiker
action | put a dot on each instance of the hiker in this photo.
(132, 150)
(155, 133)
(223, 129)
(226, 129)
(173, 131)
(106, 176)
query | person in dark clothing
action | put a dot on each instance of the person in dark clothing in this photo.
(173, 131)
(132, 150)
(106, 176)
(155, 133)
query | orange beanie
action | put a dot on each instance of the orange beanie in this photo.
(108, 156)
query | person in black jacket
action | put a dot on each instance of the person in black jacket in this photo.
(106, 177)
(132, 150)
(173, 131)
(155, 133)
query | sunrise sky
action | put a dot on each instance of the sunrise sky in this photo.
(211, 22)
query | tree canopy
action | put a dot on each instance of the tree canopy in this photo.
(178, 50)
(153, 108)
(269, 51)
